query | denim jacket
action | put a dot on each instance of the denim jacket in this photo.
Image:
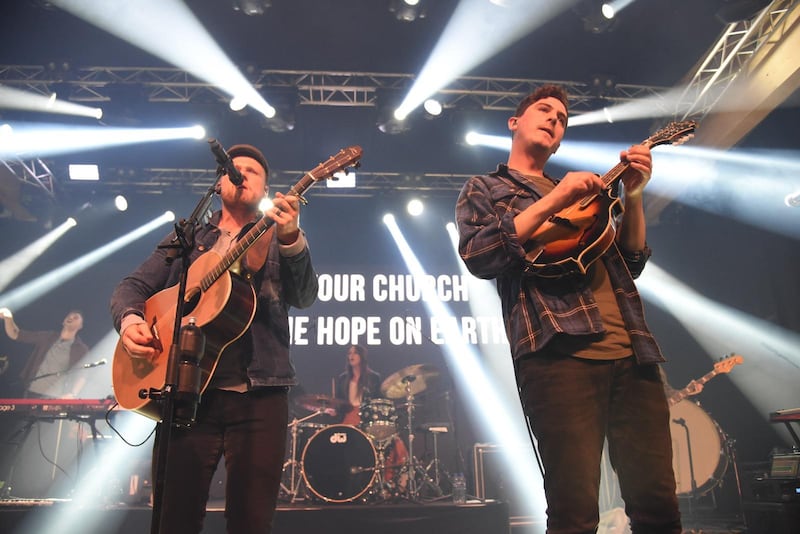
(281, 283)
(536, 309)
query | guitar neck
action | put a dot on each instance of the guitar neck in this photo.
(258, 229)
(675, 398)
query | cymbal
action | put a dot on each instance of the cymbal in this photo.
(412, 380)
(316, 402)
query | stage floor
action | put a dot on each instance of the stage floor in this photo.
(61, 517)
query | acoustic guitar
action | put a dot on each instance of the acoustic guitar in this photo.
(222, 303)
(572, 239)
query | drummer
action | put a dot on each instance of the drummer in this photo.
(356, 384)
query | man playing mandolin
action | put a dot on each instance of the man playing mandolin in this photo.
(586, 363)
(243, 413)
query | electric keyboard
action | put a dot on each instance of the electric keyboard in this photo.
(57, 408)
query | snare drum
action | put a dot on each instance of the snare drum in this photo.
(378, 418)
(339, 463)
(708, 461)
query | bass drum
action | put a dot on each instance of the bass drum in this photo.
(339, 463)
(698, 447)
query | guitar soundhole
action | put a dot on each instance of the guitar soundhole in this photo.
(191, 301)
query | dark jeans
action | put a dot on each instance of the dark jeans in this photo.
(250, 430)
(573, 405)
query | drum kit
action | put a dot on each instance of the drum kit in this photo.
(342, 463)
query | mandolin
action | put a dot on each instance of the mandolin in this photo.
(571, 240)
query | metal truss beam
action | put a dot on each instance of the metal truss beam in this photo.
(157, 180)
(314, 88)
(736, 47)
(32, 171)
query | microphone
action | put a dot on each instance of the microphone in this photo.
(681, 421)
(225, 161)
(792, 199)
(95, 364)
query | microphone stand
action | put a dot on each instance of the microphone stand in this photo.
(682, 422)
(181, 246)
(66, 372)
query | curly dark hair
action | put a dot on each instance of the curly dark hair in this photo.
(544, 91)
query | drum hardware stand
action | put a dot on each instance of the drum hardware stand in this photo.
(730, 447)
(435, 429)
(413, 466)
(295, 467)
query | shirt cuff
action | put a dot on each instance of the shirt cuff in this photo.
(295, 248)
(130, 319)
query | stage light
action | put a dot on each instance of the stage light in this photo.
(792, 199)
(390, 118)
(415, 207)
(84, 172)
(613, 8)
(237, 103)
(500, 142)
(251, 7)
(266, 204)
(121, 203)
(407, 10)
(432, 107)
(591, 13)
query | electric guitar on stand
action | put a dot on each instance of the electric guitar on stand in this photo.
(223, 304)
(572, 239)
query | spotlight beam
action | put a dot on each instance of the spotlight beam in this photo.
(11, 98)
(169, 30)
(12, 266)
(771, 369)
(466, 365)
(27, 293)
(29, 139)
(470, 18)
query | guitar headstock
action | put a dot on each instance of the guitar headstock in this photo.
(341, 161)
(675, 133)
(725, 366)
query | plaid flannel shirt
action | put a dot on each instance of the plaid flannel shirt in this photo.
(535, 308)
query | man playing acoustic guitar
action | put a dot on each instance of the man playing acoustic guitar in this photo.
(243, 413)
(585, 361)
